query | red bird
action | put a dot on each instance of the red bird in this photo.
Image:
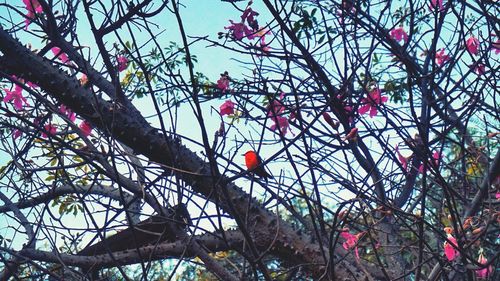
(253, 162)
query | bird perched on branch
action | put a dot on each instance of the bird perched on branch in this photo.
(254, 165)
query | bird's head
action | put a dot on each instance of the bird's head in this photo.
(250, 152)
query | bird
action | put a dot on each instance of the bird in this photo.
(253, 163)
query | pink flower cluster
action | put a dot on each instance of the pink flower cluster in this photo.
(68, 112)
(50, 130)
(472, 45)
(441, 58)
(223, 82)
(248, 27)
(436, 156)
(33, 7)
(122, 62)
(371, 102)
(436, 4)
(450, 248)
(16, 97)
(60, 55)
(275, 111)
(399, 34)
(227, 108)
(351, 241)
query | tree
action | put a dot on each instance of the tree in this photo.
(377, 120)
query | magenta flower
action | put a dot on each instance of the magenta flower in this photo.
(449, 248)
(351, 241)
(16, 97)
(85, 127)
(122, 63)
(60, 55)
(399, 34)
(441, 57)
(371, 102)
(485, 271)
(227, 108)
(275, 108)
(223, 82)
(240, 30)
(16, 134)
(472, 45)
(33, 7)
(280, 123)
(436, 4)
(50, 130)
(68, 112)
(436, 156)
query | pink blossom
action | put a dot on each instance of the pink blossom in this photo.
(486, 271)
(441, 57)
(275, 108)
(240, 30)
(449, 248)
(227, 108)
(436, 156)
(60, 55)
(351, 242)
(436, 4)
(16, 97)
(16, 134)
(50, 130)
(33, 7)
(85, 127)
(472, 45)
(497, 195)
(122, 63)
(399, 34)
(280, 123)
(223, 82)
(373, 100)
(68, 112)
